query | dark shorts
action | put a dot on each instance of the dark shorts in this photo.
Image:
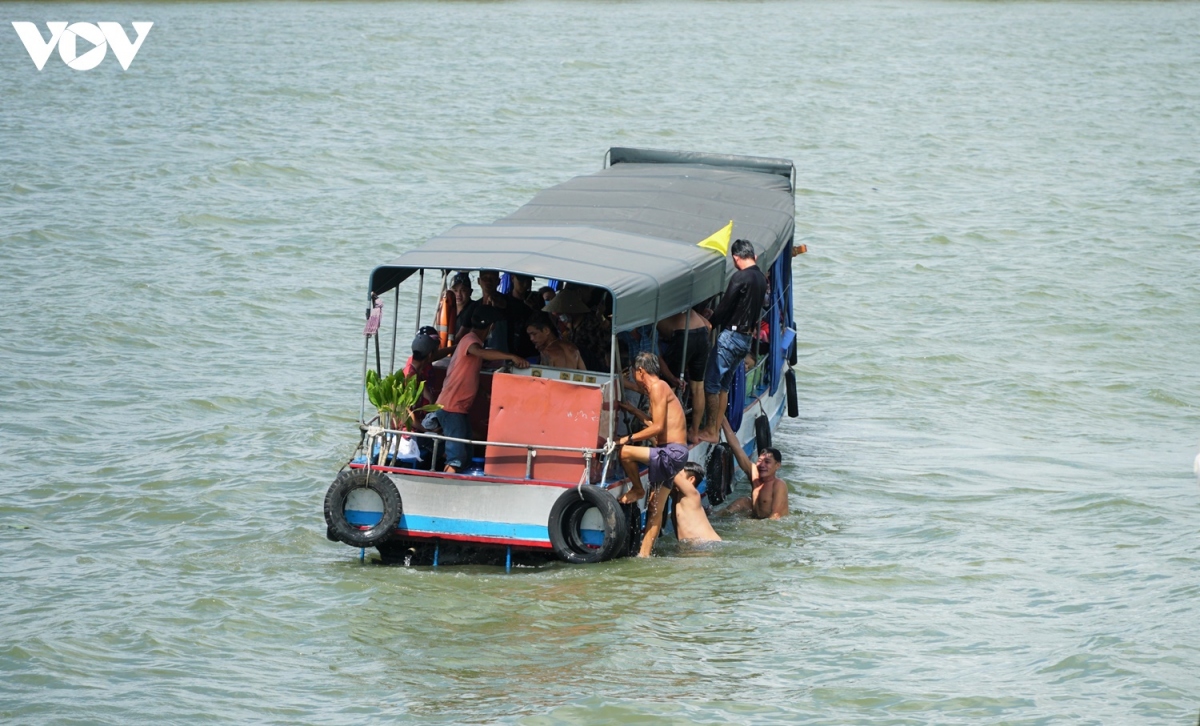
(697, 353)
(666, 462)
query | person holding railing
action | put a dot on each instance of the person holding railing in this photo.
(768, 493)
(737, 317)
(462, 383)
(666, 427)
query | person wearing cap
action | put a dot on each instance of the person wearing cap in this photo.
(736, 317)
(462, 383)
(419, 364)
(584, 328)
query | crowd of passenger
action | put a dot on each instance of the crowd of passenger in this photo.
(569, 327)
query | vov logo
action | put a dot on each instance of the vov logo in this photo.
(102, 36)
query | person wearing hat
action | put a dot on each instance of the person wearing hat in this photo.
(584, 328)
(462, 383)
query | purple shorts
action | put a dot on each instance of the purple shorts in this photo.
(666, 462)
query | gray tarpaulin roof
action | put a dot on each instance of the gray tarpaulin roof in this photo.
(631, 228)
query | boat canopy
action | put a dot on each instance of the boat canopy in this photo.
(631, 228)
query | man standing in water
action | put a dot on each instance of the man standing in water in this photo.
(666, 426)
(768, 493)
(690, 521)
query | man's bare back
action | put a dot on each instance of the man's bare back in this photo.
(691, 523)
(562, 354)
(691, 319)
(666, 426)
(676, 428)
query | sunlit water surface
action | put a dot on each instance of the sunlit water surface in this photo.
(995, 518)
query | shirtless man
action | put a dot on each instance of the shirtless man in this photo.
(691, 523)
(555, 352)
(768, 493)
(666, 426)
(692, 327)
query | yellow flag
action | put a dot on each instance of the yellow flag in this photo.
(719, 241)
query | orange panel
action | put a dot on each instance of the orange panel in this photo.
(528, 410)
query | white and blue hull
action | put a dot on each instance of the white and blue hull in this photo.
(491, 511)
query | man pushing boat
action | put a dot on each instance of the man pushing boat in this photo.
(691, 523)
(768, 493)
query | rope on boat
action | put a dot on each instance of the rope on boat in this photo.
(609, 448)
(362, 438)
(583, 477)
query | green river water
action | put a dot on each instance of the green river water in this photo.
(995, 519)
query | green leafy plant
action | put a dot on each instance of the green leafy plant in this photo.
(396, 397)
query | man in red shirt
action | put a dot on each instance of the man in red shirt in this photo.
(462, 383)
(423, 348)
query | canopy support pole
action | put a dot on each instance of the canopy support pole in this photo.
(616, 388)
(395, 332)
(362, 415)
(378, 360)
(420, 299)
(687, 333)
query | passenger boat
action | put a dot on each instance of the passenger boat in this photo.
(547, 479)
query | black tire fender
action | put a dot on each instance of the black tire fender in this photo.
(762, 432)
(633, 517)
(341, 530)
(567, 514)
(792, 354)
(719, 473)
(789, 380)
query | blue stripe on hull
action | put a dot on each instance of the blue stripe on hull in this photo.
(474, 528)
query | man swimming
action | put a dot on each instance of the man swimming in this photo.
(666, 426)
(691, 524)
(768, 493)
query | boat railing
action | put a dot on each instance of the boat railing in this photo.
(384, 438)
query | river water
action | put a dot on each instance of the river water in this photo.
(994, 514)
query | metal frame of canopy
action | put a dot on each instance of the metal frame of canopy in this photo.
(647, 277)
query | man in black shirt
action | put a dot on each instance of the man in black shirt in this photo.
(508, 333)
(737, 318)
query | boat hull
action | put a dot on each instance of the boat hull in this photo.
(494, 511)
